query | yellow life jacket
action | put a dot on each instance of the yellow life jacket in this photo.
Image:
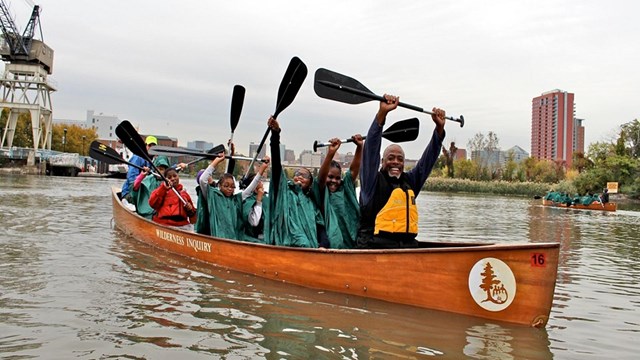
(399, 214)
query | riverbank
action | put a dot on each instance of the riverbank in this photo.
(523, 189)
(22, 170)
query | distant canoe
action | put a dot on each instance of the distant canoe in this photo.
(594, 206)
(513, 283)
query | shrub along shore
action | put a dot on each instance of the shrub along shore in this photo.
(506, 188)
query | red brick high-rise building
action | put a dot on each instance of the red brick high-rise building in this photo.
(555, 132)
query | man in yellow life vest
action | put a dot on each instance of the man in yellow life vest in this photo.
(389, 216)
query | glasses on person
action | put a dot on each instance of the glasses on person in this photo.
(302, 173)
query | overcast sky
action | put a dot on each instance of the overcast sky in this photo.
(169, 67)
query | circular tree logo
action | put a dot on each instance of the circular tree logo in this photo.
(492, 284)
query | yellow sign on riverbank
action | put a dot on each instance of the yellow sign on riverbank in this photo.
(612, 187)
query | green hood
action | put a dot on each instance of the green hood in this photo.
(161, 161)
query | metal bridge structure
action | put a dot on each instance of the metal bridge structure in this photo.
(24, 84)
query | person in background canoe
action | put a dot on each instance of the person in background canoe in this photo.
(295, 218)
(255, 210)
(340, 205)
(144, 185)
(225, 206)
(605, 196)
(169, 208)
(133, 172)
(388, 212)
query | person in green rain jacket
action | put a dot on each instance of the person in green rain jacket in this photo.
(225, 207)
(205, 181)
(338, 194)
(144, 185)
(202, 210)
(255, 209)
(295, 218)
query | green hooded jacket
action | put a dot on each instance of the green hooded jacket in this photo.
(140, 198)
(342, 214)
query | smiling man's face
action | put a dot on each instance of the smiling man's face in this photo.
(393, 160)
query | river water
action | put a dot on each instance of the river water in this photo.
(73, 287)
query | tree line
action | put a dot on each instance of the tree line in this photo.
(76, 140)
(614, 161)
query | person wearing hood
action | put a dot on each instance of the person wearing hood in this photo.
(226, 206)
(388, 211)
(144, 185)
(338, 194)
(294, 215)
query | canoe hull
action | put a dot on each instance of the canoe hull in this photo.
(448, 277)
(595, 206)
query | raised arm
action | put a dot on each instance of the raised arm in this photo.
(276, 162)
(419, 174)
(209, 171)
(326, 164)
(357, 158)
(256, 180)
(371, 150)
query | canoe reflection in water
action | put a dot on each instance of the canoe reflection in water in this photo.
(203, 308)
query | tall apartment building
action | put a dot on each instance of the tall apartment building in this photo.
(555, 132)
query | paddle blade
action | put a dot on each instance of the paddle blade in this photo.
(104, 153)
(216, 150)
(331, 85)
(402, 131)
(131, 139)
(237, 100)
(290, 85)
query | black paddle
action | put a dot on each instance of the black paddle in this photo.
(107, 154)
(237, 100)
(289, 87)
(168, 150)
(210, 154)
(338, 87)
(133, 141)
(401, 131)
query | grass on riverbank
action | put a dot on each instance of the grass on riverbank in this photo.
(441, 184)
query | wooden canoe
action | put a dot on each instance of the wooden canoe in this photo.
(513, 283)
(594, 206)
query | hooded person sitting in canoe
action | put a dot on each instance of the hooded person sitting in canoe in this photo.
(168, 203)
(144, 185)
(388, 211)
(295, 217)
(205, 181)
(338, 195)
(255, 210)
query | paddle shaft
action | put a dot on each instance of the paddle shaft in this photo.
(317, 144)
(373, 96)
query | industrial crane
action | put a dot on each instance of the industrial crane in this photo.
(24, 87)
(23, 48)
